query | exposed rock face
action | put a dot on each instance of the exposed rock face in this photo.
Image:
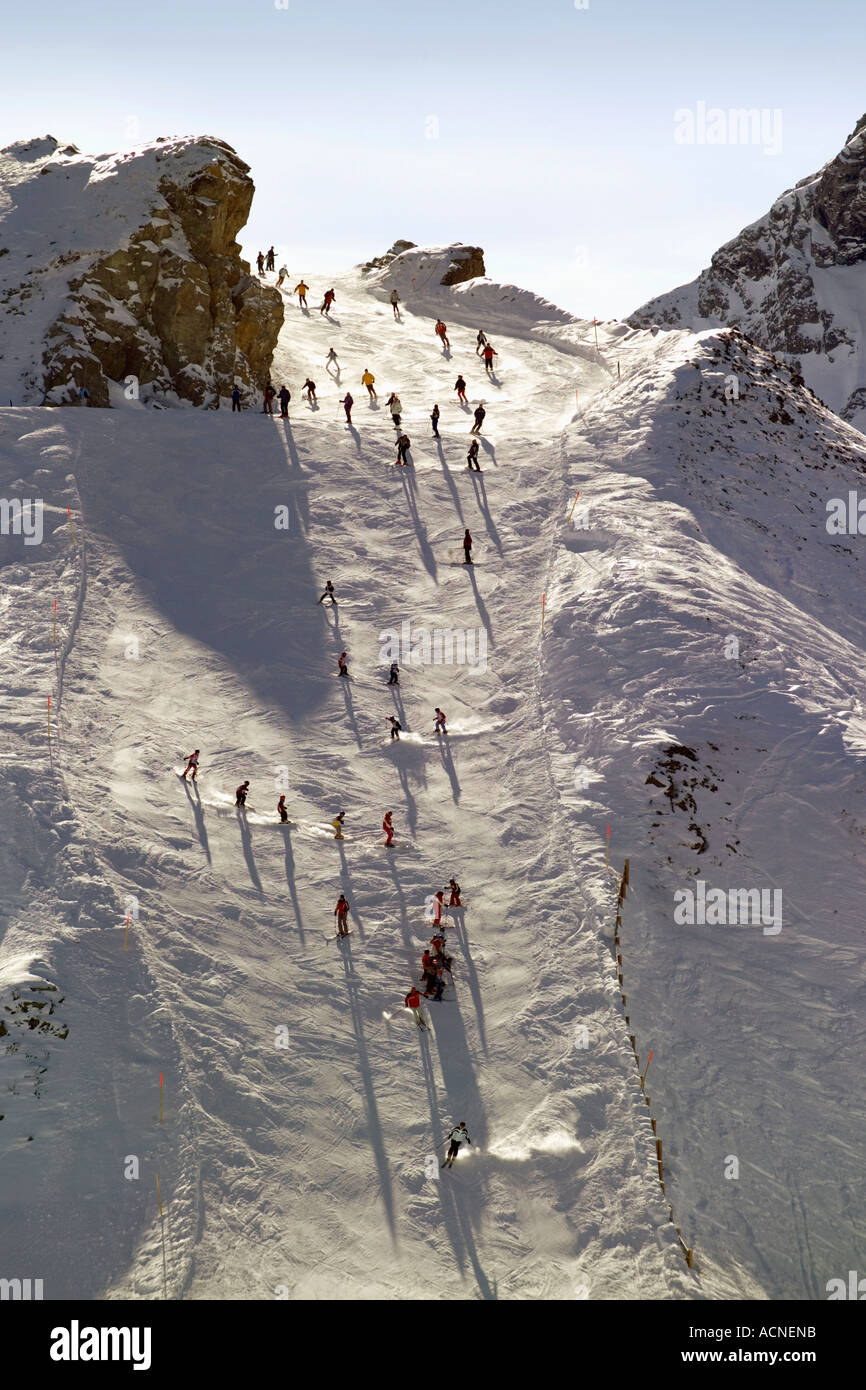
(127, 265)
(427, 266)
(467, 264)
(795, 282)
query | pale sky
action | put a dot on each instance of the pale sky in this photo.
(543, 132)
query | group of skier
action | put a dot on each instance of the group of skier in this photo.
(436, 963)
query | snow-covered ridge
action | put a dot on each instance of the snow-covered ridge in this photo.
(124, 265)
(795, 282)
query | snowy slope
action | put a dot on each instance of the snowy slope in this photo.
(795, 282)
(304, 1167)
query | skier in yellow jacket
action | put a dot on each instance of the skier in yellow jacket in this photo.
(301, 291)
(367, 380)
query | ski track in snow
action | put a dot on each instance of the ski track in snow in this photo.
(306, 1166)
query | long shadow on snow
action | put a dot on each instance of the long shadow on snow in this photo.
(452, 487)
(350, 709)
(479, 604)
(451, 1199)
(420, 531)
(408, 757)
(483, 507)
(347, 887)
(376, 1139)
(247, 844)
(198, 813)
(459, 915)
(448, 764)
(202, 541)
(290, 877)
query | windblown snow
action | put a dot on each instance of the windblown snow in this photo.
(697, 688)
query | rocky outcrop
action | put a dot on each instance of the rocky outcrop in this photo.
(467, 263)
(794, 282)
(127, 266)
(426, 266)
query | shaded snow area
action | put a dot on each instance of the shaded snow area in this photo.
(697, 687)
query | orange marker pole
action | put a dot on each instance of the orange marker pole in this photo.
(576, 399)
(49, 718)
(543, 602)
(645, 1070)
(126, 933)
(573, 505)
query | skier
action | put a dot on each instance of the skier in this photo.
(327, 302)
(260, 262)
(395, 303)
(488, 354)
(480, 413)
(329, 593)
(454, 900)
(440, 721)
(283, 275)
(394, 674)
(341, 912)
(388, 828)
(467, 547)
(437, 941)
(337, 823)
(396, 726)
(394, 405)
(268, 407)
(241, 795)
(472, 457)
(301, 291)
(236, 399)
(367, 380)
(459, 1135)
(347, 402)
(426, 962)
(460, 388)
(438, 983)
(269, 263)
(285, 397)
(413, 1002)
(281, 810)
(479, 342)
(332, 358)
(438, 904)
(191, 765)
(434, 420)
(309, 387)
(442, 332)
(403, 443)
(341, 662)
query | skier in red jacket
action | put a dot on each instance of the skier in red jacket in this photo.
(192, 765)
(443, 333)
(388, 828)
(341, 912)
(413, 1002)
(488, 354)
